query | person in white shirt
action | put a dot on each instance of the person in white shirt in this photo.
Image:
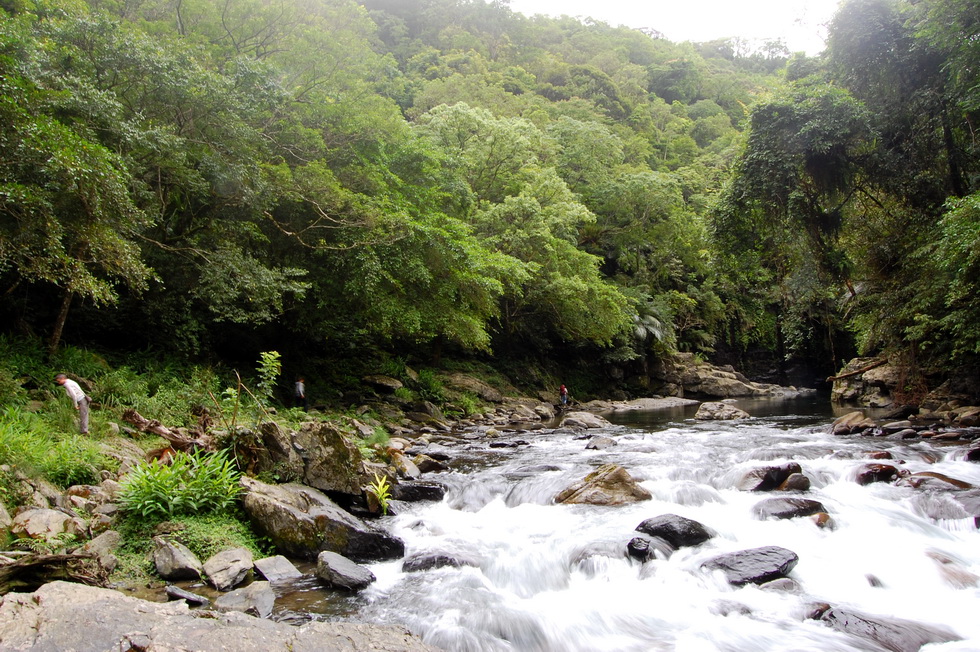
(78, 396)
(299, 394)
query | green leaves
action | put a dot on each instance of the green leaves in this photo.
(194, 483)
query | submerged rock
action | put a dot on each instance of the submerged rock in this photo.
(890, 633)
(781, 508)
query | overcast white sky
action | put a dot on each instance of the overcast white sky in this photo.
(800, 23)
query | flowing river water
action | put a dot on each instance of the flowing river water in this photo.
(556, 578)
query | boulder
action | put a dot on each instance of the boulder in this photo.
(340, 572)
(600, 443)
(69, 616)
(718, 411)
(176, 593)
(869, 473)
(644, 548)
(256, 599)
(545, 411)
(228, 568)
(302, 522)
(781, 508)
(426, 464)
(412, 492)
(464, 383)
(890, 633)
(102, 547)
(47, 525)
(585, 420)
(277, 568)
(768, 478)
(754, 566)
(382, 383)
(405, 467)
(421, 561)
(851, 423)
(795, 482)
(318, 454)
(610, 484)
(173, 561)
(676, 530)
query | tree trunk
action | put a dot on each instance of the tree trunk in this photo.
(179, 441)
(59, 324)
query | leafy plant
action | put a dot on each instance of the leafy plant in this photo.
(269, 369)
(194, 483)
(430, 387)
(74, 460)
(381, 490)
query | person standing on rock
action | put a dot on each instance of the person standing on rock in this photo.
(77, 396)
(563, 395)
(299, 394)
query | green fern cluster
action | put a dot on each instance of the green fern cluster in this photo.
(195, 483)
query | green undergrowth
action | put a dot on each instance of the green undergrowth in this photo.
(204, 534)
(30, 444)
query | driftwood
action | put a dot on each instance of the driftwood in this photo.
(179, 441)
(28, 574)
(857, 371)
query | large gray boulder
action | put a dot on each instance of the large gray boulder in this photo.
(174, 561)
(256, 599)
(301, 522)
(340, 572)
(610, 484)
(318, 455)
(277, 568)
(464, 383)
(585, 420)
(47, 525)
(67, 616)
(228, 568)
(719, 411)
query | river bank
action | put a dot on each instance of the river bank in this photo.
(426, 456)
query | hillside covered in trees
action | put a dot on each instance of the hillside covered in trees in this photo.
(350, 181)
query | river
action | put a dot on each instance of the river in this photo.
(555, 578)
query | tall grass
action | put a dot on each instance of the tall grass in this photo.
(30, 445)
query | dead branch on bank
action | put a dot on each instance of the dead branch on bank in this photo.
(178, 440)
(857, 372)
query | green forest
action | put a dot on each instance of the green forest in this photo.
(444, 180)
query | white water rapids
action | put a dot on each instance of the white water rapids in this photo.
(549, 577)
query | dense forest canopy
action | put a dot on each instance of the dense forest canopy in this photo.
(334, 178)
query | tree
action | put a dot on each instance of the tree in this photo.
(66, 216)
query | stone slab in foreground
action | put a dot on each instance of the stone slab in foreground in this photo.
(66, 616)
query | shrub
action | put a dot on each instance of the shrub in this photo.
(193, 483)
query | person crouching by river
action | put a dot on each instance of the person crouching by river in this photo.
(78, 396)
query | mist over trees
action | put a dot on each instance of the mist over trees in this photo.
(337, 179)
